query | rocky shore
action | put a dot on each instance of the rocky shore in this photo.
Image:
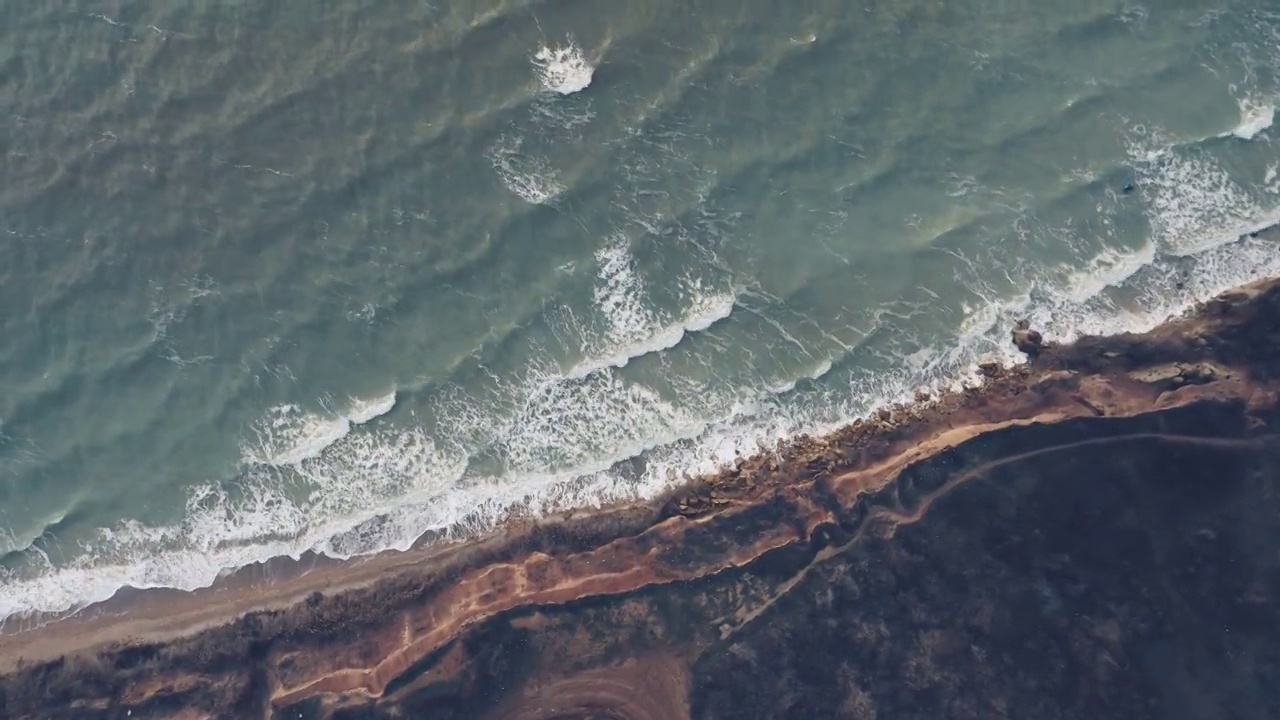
(1093, 534)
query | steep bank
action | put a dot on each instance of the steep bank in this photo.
(1093, 533)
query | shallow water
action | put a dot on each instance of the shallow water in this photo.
(327, 276)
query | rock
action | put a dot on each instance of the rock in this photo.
(1027, 340)
(1057, 378)
(1199, 374)
(1177, 374)
(1157, 375)
(989, 369)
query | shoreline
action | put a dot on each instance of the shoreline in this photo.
(155, 614)
(264, 623)
(274, 569)
(285, 580)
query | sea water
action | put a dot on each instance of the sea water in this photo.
(290, 276)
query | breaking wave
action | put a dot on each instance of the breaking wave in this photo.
(563, 68)
(1254, 118)
(289, 435)
(633, 328)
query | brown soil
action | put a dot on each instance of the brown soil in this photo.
(1091, 535)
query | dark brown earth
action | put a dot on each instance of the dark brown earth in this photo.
(1094, 535)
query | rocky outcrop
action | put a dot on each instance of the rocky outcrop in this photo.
(1093, 534)
(1027, 339)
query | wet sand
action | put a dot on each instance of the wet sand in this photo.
(644, 610)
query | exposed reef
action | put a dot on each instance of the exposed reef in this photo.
(1093, 534)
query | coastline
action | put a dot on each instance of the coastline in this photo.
(334, 634)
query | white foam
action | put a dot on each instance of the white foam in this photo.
(633, 329)
(531, 177)
(288, 435)
(1254, 118)
(619, 294)
(563, 69)
(558, 119)
(1109, 268)
(822, 368)
(1195, 203)
(1134, 290)
(362, 411)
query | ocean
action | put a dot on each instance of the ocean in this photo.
(294, 276)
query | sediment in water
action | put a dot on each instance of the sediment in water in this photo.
(1090, 534)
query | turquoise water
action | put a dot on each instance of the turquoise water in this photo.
(320, 275)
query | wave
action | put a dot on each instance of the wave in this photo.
(362, 411)
(1196, 203)
(633, 328)
(1254, 118)
(552, 438)
(563, 68)
(289, 435)
(316, 482)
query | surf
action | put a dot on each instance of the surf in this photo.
(382, 490)
(346, 480)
